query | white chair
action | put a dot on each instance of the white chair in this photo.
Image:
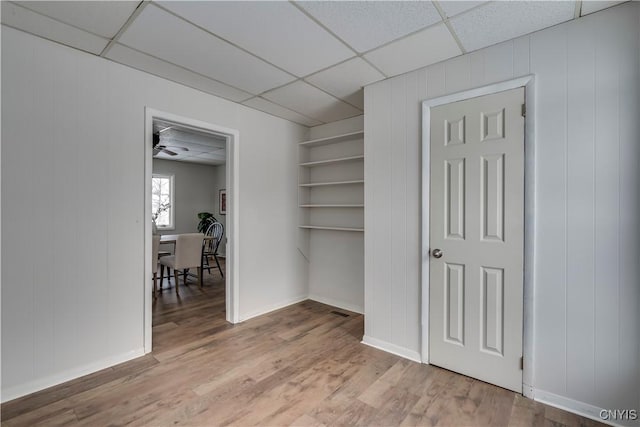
(155, 249)
(187, 255)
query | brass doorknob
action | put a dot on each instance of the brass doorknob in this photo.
(437, 253)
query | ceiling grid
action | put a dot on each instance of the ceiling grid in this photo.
(304, 61)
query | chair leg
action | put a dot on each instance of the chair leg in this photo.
(184, 276)
(218, 263)
(155, 284)
(176, 275)
(206, 259)
(161, 275)
(200, 275)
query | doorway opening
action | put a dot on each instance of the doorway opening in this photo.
(191, 183)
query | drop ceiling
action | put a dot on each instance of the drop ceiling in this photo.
(304, 61)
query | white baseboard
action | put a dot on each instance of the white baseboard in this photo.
(584, 409)
(272, 307)
(14, 392)
(392, 348)
(339, 304)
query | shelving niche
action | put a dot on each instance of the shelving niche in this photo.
(331, 183)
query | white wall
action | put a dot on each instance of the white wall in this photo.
(587, 203)
(194, 191)
(73, 179)
(336, 258)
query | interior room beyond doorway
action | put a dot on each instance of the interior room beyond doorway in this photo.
(188, 195)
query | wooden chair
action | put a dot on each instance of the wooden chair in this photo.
(187, 255)
(210, 247)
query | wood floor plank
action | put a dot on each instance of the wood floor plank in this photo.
(526, 412)
(302, 365)
(307, 421)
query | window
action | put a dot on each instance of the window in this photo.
(162, 201)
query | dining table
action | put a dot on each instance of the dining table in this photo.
(171, 238)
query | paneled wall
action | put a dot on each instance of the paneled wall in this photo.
(73, 180)
(586, 273)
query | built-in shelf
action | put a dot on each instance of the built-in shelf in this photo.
(322, 184)
(326, 162)
(332, 192)
(318, 227)
(332, 139)
(326, 205)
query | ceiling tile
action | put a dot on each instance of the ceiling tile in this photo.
(500, 21)
(594, 6)
(365, 25)
(310, 101)
(141, 61)
(346, 80)
(276, 31)
(455, 7)
(104, 18)
(418, 50)
(31, 22)
(278, 111)
(165, 36)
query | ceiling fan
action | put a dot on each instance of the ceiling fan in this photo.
(162, 148)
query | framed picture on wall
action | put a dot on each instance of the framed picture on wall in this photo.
(222, 197)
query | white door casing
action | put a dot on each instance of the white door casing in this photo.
(477, 222)
(232, 265)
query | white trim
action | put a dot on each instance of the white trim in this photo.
(338, 304)
(584, 409)
(1, 393)
(529, 203)
(273, 307)
(232, 278)
(391, 348)
(71, 374)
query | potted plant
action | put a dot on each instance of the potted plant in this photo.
(206, 219)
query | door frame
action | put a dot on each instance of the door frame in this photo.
(232, 263)
(528, 82)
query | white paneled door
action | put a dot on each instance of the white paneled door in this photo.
(477, 236)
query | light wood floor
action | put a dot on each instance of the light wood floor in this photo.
(302, 365)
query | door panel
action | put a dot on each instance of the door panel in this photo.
(477, 222)
(455, 303)
(454, 191)
(492, 327)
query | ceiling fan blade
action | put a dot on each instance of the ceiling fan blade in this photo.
(156, 151)
(169, 152)
(175, 147)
